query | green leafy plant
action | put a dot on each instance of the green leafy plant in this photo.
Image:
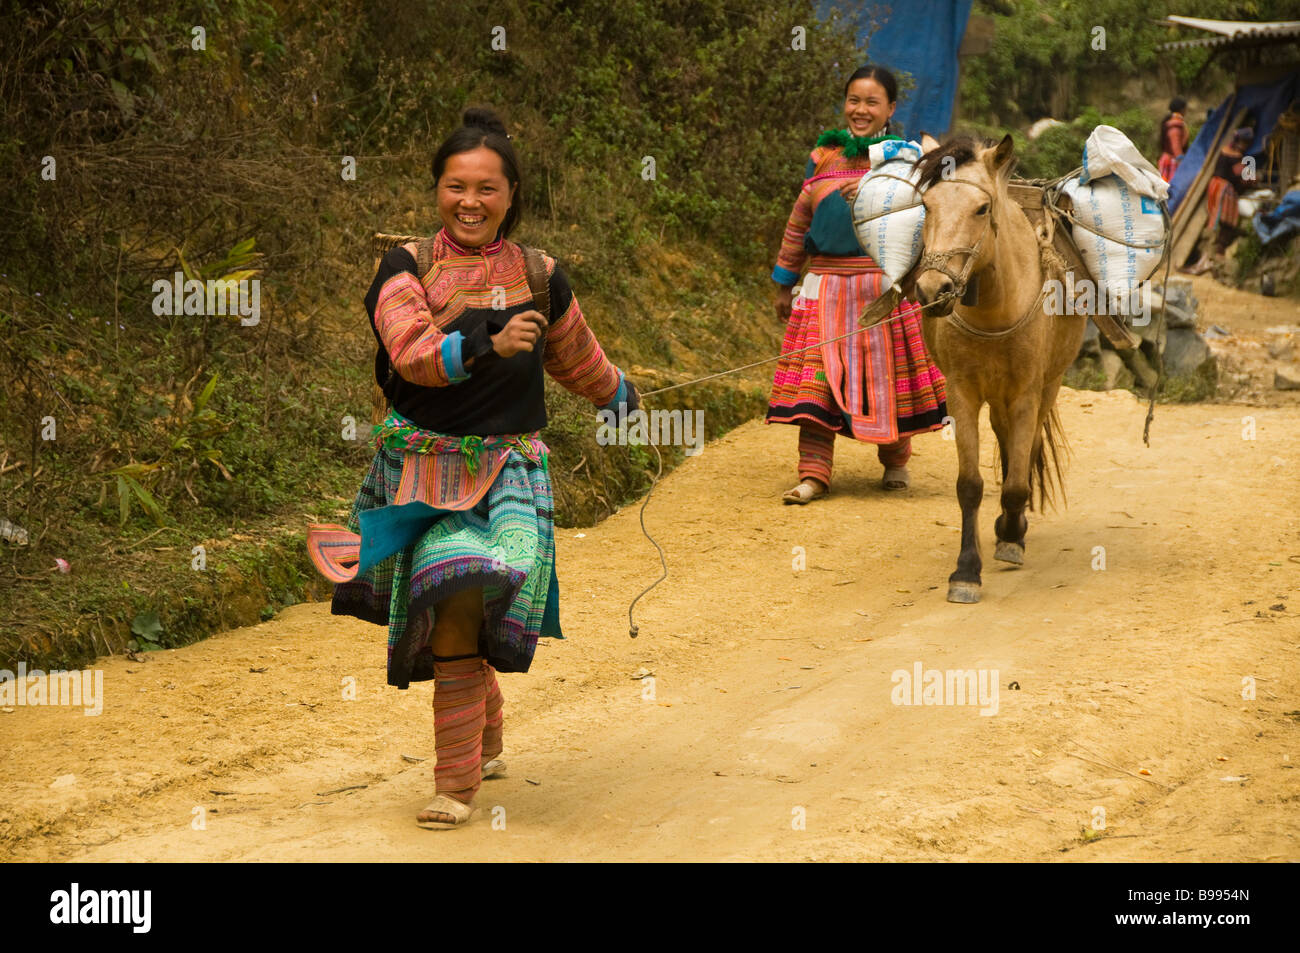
(129, 487)
(147, 629)
(189, 448)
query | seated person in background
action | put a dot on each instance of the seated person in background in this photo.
(1221, 197)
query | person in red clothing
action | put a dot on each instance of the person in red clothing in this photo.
(450, 543)
(1221, 196)
(1173, 138)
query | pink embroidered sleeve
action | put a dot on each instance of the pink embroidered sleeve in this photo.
(418, 350)
(573, 355)
(790, 261)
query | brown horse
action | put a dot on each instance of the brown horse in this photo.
(987, 326)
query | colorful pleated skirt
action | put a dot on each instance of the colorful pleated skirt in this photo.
(437, 515)
(1221, 204)
(877, 385)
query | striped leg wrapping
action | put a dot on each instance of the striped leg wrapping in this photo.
(895, 454)
(492, 740)
(459, 717)
(816, 452)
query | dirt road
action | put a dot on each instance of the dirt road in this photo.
(770, 729)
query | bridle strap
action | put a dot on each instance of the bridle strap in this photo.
(965, 327)
(938, 261)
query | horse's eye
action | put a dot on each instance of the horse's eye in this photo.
(983, 209)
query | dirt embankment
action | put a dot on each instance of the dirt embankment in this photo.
(1262, 340)
(1151, 638)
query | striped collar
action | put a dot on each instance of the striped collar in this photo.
(491, 248)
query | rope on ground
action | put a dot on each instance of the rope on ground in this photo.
(632, 628)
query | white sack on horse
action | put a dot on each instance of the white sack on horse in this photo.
(1109, 152)
(888, 216)
(1120, 230)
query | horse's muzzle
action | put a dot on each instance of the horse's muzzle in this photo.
(936, 293)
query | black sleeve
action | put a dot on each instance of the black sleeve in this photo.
(561, 294)
(397, 260)
(477, 347)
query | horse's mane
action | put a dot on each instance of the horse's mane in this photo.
(961, 149)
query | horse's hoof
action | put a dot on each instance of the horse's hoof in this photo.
(964, 592)
(1010, 552)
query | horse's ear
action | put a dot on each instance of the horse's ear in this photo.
(928, 143)
(1002, 154)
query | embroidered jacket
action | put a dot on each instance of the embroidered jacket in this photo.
(822, 222)
(1173, 135)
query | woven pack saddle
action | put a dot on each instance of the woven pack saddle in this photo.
(1050, 212)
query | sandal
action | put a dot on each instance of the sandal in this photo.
(447, 806)
(896, 478)
(495, 768)
(805, 492)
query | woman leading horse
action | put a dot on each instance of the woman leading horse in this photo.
(878, 385)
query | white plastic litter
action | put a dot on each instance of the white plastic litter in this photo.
(1040, 127)
(888, 216)
(13, 533)
(1252, 202)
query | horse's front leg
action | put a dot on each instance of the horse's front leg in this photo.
(1019, 425)
(964, 404)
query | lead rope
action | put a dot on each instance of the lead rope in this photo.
(1160, 351)
(633, 628)
(769, 360)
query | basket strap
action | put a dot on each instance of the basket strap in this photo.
(423, 257)
(538, 281)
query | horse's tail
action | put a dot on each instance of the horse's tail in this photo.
(1046, 481)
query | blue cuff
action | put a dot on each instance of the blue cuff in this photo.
(452, 346)
(620, 396)
(784, 276)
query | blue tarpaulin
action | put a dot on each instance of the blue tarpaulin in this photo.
(1265, 102)
(919, 37)
(1281, 221)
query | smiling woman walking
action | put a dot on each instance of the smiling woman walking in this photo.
(450, 542)
(879, 385)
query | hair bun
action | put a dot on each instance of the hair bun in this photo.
(480, 117)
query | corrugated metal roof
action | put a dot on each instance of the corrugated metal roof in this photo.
(1232, 32)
